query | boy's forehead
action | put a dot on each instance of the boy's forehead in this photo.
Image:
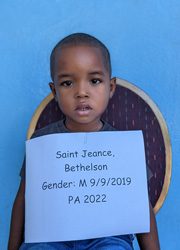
(81, 52)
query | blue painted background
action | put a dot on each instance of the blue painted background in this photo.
(144, 41)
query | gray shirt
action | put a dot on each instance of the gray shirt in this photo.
(55, 128)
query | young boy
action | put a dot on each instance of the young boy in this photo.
(82, 86)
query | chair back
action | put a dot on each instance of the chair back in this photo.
(129, 109)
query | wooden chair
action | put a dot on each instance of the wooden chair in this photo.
(129, 109)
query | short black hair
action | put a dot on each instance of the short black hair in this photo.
(77, 39)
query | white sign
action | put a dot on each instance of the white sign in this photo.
(85, 185)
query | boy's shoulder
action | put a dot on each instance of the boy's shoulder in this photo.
(107, 127)
(53, 128)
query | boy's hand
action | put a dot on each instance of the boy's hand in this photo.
(149, 241)
(17, 219)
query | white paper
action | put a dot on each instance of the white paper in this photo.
(85, 185)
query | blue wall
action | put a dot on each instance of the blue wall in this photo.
(144, 41)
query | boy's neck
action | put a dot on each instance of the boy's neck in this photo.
(84, 127)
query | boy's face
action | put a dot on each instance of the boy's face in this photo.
(82, 86)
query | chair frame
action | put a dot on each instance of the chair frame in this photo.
(157, 113)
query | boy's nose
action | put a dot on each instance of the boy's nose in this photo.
(82, 91)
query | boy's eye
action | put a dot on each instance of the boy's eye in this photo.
(66, 84)
(95, 81)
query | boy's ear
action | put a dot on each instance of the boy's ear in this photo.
(112, 86)
(53, 90)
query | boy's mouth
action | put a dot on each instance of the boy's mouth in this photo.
(83, 109)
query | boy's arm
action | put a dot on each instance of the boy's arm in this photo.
(17, 219)
(149, 241)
